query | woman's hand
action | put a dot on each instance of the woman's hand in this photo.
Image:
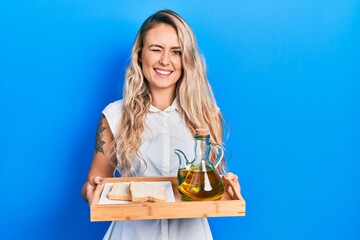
(89, 187)
(232, 185)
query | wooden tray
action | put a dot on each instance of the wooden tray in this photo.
(226, 206)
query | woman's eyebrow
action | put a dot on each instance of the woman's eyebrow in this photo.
(160, 46)
(155, 45)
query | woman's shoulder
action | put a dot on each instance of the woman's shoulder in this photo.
(113, 113)
(114, 106)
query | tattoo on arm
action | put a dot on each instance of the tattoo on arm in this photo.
(99, 142)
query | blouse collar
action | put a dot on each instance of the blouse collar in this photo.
(174, 106)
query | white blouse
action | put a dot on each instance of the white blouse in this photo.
(164, 131)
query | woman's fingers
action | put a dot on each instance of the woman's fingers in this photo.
(231, 176)
(233, 185)
(95, 180)
(91, 186)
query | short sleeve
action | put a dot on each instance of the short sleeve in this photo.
(113, 113)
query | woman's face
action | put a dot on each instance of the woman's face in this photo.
(161, 58)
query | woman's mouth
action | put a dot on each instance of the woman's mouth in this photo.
(162, 72)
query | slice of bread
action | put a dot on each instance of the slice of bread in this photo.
(142, 192)
(120, 191)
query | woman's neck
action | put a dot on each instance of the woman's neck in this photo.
(162, 99)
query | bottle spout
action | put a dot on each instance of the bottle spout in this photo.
(183, 161)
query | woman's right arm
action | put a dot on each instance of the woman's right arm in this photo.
(102, 164)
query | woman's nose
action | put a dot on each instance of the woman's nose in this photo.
(164, 60)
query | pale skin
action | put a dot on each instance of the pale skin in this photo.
(101, 166)
(162, 66)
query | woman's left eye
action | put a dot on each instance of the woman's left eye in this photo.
(177, 52)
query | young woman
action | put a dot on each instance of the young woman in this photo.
(166, 97)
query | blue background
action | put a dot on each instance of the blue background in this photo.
(286, 77)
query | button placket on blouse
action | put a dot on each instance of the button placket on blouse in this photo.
(164, 229)
(165, 164)
(166, 143)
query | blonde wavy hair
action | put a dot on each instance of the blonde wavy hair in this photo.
(199, 110)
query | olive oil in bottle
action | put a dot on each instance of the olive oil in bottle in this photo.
(201, 185)
(182, 173)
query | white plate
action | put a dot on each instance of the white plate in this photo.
(105, 201)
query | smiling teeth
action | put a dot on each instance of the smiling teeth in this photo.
(163, 72)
